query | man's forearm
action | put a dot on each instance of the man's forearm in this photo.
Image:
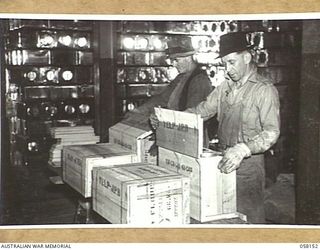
(262, 142)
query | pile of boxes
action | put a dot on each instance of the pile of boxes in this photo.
(80, 160)
(128, 185)
(180, 140)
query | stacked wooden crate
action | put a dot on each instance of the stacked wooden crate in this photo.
(180, 141)
(125, 188)
(134, 134)
(73, 135)
(141, 194)
(79, 160)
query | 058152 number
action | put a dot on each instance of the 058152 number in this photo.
(309, 245)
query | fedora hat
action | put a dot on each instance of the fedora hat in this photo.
(179, 52)
(233, 42)
(180, 48)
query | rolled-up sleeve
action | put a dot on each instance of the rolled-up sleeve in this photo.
(209, 107)
(269, 107)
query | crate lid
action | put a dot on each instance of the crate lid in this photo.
(136, 126)
(97, 150)
(138, 171)
(180, 132)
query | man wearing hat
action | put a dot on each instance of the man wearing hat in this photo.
(247, 109)
(188, 89)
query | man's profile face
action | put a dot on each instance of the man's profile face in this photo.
(236, 65)
(181, 63)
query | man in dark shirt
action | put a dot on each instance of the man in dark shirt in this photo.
(191, 86)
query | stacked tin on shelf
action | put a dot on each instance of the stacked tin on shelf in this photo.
(49, 72)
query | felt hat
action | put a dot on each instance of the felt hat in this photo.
(233, 42)
(180, 48)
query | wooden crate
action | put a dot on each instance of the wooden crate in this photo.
(180, 132)
(79, 160)
(180, 141)
(134, 134)
(212, 193)
(141, 194)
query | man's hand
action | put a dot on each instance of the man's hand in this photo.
(154, 121)
(233, 157)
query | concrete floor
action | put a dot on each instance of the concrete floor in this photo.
(31, 199)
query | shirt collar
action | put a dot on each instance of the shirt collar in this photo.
(253, 75)
(252, 78)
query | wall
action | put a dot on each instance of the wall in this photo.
(308, 171)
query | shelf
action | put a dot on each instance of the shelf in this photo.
(135, 98)
(55, 100)
(51, 49)
(62, 66)
(168, 33)
(61, 86)
(44, 28)
(51, 27)
(53, 85)
(141, 51)
(143, 65)
(142, 83)
(48, 65)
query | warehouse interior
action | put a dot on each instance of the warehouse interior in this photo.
(86, 74)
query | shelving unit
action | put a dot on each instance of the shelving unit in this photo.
(49, 82)
(143, 69)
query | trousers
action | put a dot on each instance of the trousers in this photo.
(250, 189)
